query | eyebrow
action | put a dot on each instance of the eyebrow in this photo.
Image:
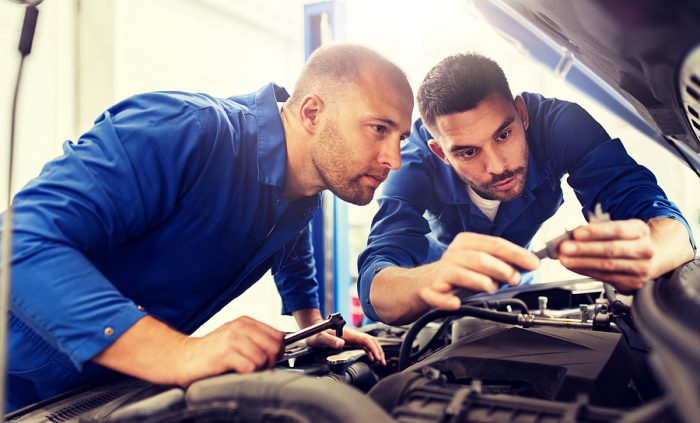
(459, 147)
(506, 123)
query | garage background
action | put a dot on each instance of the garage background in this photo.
(89, 54)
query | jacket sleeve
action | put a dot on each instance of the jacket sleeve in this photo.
(118, 180)
(601, 171)
(399, 235)
(296, 277)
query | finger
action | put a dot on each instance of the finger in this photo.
(313, 341)
(442, 287)
(270, 347)
(617, 229)
(270, 339)
(378, 351)
(458, 277)
(607, 265)
(370, 344)
(331, 340)
(443, 301)
(262, 327)
(484, 264)
(625, 284)
(636, 249)
(240, 364)
(251, 352)
(499, 247)
(325, 339)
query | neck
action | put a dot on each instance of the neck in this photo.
(302, 179)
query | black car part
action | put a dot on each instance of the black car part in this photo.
(600, 321)
(666, 312)
(272, 396)
(550, 363)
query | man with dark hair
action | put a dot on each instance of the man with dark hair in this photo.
(172, 205)
(481, 172)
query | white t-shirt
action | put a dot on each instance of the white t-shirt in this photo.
(488, 207)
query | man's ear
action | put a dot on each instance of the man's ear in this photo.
(310, 108)
(522, 111)
(436, 148)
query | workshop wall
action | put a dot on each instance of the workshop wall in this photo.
(88, 55)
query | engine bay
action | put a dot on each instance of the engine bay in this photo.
(559, 352)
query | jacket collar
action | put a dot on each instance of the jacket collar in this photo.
(272, 145)
(272, 148)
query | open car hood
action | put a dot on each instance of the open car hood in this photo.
(639, 58)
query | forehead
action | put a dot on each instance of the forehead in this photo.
(478, 125)
(378, 93)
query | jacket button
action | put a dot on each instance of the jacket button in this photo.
(109, 331)
(140, 307)
(367, 301)
(277, 201)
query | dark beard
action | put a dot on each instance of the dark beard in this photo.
(502, 177)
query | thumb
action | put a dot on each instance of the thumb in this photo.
(328, 340)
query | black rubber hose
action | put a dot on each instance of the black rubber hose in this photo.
(486, 304)
(496, 316)
(432, 340)
(504, 302)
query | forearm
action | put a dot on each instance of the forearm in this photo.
(671, 245)
(394, 293)
(149, 350)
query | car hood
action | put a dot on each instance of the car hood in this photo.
(639, 58)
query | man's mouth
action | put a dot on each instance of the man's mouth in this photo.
(506, 184)
(374, 180)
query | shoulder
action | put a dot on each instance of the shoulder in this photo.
(177, 107)
(562, 130)
(546, 112)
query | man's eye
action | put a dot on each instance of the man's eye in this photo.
(468, 153)
(504, 135)
(380, 129)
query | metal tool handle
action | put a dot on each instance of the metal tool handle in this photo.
(334, 321)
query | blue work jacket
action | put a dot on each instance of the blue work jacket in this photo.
(171, 205)
(425, 204)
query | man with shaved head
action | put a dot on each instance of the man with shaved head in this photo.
(174, 204)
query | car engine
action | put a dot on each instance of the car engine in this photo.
(559, 352)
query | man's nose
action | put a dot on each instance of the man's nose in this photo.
(497, 163)
(390, 155)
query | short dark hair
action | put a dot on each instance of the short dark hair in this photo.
(457, 84)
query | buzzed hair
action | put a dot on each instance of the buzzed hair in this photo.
(329, 66)
(457, 84)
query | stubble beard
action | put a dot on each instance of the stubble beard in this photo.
(486, 191)
(490, 194)
(328, 159)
